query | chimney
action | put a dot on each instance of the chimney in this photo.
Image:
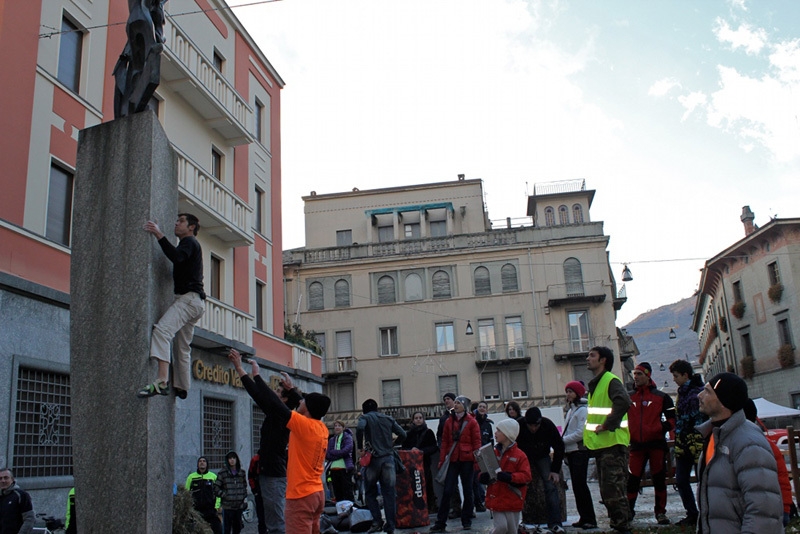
(747, 219)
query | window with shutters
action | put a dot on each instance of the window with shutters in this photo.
(737, 291)
(344, 238)
(747, 345)
(261, 292)
(412, 231)
(519, 384)
(257, 418)
(573, 276)
(549, 216)
(386, 290)
(412, 287)
(385, 234)
(486, 339)
(448, 384)
(389, 341)
(258, 211)
(579, 330)
(445, 340)
(215, 278)
(70, 50)
(516, 347)
(785, 332)
(563, 215)
(508, 277)
(390, 390)
(438, 228)
(441, 285)
(315, 296)
(490, 384)
(482, 281)
(577, 214)
(320, 339)
(59, 205)
(345, 397)
(341, 294)
(773, 273)
(344, 348)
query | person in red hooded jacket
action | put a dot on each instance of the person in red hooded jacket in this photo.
(650, 416)
(463, 436)
(505, 496)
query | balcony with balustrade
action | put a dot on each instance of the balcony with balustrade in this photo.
(189, 73)
(498, 355)
(226, 321)
(222, 213)
(339, 368)
(565, 294)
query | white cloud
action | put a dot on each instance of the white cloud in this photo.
(785, 58)
(747, 37)
(691, 102)
(663, 86)
(762, 110)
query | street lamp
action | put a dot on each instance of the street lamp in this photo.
(469, 328)
(626, 274)
(672, 334)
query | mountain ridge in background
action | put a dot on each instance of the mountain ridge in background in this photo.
(650, 330)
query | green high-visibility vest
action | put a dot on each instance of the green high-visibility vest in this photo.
(599, 408)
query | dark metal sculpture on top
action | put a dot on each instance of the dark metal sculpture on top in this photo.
(138, 69)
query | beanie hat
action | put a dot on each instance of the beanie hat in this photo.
(533, 416)
(369, 405)
(645, 368)
(461, 399)
(509, 427)
(449, 395)
(317, 404)
(577, 387)
(750, 410)
(730, 389)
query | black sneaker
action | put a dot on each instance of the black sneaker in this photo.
(662, 519)
(438, 528)
(376, 527)
(480, 507)
(181, 393)
(688, 521)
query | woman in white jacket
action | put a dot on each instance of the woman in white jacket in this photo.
(577, 455)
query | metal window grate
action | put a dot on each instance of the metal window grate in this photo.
(258, 419)
(217, 431)
(42, 425)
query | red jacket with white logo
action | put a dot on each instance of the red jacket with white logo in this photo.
(645, 422)
(469, 439)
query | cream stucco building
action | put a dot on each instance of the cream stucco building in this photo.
(412, 293)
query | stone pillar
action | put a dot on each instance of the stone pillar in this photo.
(120, 285)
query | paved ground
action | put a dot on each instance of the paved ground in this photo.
(644, 514)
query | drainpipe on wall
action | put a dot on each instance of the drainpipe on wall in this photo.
(536, 323)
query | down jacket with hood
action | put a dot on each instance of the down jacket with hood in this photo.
(345, 452)
(509, 496)
(738, 490)
(231, 484)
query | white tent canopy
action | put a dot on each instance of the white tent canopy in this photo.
(768, 409)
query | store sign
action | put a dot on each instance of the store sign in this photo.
(216, 374)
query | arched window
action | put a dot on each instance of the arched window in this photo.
(577, 214)
(413, 287)
(508, 276)
(441, 285)
(386, 291)
(483, 285)
(549, 216)
(563, 215)
(342, 293)
(315, 298)
(573, 277)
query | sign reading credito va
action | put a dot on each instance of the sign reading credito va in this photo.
(216, 374)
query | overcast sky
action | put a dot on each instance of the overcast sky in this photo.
(677, 113)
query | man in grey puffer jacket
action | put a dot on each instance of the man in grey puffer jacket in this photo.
(738, 487)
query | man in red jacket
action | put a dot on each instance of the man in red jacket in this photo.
(462, 436)
(650, 417)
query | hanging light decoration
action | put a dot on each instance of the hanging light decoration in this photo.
(469, 328)
(626, 274)
(672, 334)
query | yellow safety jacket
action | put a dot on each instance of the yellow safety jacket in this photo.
(599, 408)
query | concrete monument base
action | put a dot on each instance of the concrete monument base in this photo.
(121, 283)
